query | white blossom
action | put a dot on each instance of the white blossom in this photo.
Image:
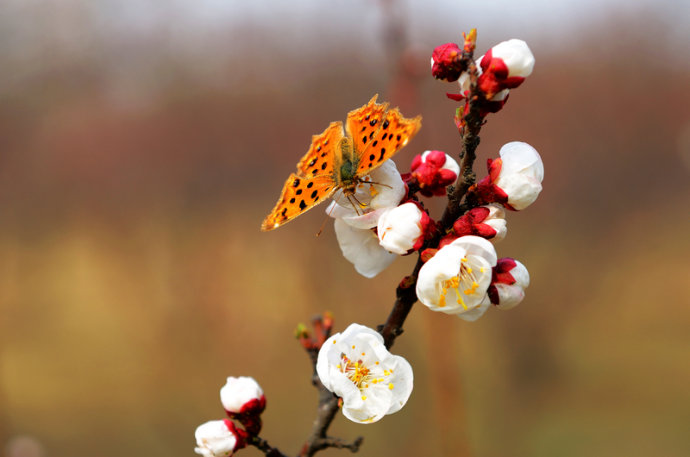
(510, 295)
(400, 228)
(455, 280)
(215, 439)
(521, 174)
(239, 394)
(516, 55)
(356, 366)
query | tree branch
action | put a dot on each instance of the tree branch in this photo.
(264, 447)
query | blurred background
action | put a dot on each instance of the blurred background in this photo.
(142, 142)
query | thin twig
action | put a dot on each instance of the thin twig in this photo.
(264, 447)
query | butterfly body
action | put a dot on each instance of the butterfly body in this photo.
(336, 160)
(345, 170)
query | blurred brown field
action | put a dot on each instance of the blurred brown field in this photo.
(134, 278)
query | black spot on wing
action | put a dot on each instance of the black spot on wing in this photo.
(302, 205)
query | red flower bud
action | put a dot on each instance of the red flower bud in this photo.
(446, 62)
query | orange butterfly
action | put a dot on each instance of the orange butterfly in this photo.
(335, 161)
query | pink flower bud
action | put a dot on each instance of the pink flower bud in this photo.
(434, 171)
(446, 62)
(509, 280)
(243, 396)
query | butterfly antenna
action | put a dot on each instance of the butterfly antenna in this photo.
(323, 224)
(358, 206)
(378, 184)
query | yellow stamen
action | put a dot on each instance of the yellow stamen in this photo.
(390, 386)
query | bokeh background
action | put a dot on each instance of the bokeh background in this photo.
(142, 142)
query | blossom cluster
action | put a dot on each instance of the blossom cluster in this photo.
(462, 275)
(503, 67)
(458, 272)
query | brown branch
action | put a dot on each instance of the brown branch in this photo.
(264, 447)
(472, 124)
(406, 295)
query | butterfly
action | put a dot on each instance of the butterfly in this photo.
(340, 160)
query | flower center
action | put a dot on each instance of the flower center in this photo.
(355, 371)
(465, 280)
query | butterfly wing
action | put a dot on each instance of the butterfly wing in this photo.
(363, 123)
(313, 182)
(299, 195)
(319, 158)
(378, 133)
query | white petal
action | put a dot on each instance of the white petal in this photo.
(520, 157)
(392, 188)
(476, 245)
(370, 410)
(238, 391)
(522, 172)
(214, 439)
(516, 55)
(399, 383)
(441, 267)
(522, 190)
(361, 248)
(509, 296)
(400, 228)
(474, 314)
(521, 275)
